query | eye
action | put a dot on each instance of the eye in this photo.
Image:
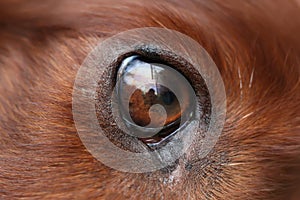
(148, 107)
(145, 97)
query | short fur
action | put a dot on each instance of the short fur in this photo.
(256, 46)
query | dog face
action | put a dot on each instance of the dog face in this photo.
(255, 46)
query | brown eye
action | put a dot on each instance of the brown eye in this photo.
(147, 103)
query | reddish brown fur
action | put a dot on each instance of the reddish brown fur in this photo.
(42, 45)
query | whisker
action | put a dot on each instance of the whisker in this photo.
(241, 83)
(251, 77)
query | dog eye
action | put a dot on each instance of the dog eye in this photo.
(147, 105)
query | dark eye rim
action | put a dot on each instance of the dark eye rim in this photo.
(107, 84)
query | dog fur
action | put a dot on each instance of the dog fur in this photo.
(256, 46)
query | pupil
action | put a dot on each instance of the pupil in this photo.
(168, 97)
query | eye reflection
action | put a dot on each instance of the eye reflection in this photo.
(149, 80)
(141, 101)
